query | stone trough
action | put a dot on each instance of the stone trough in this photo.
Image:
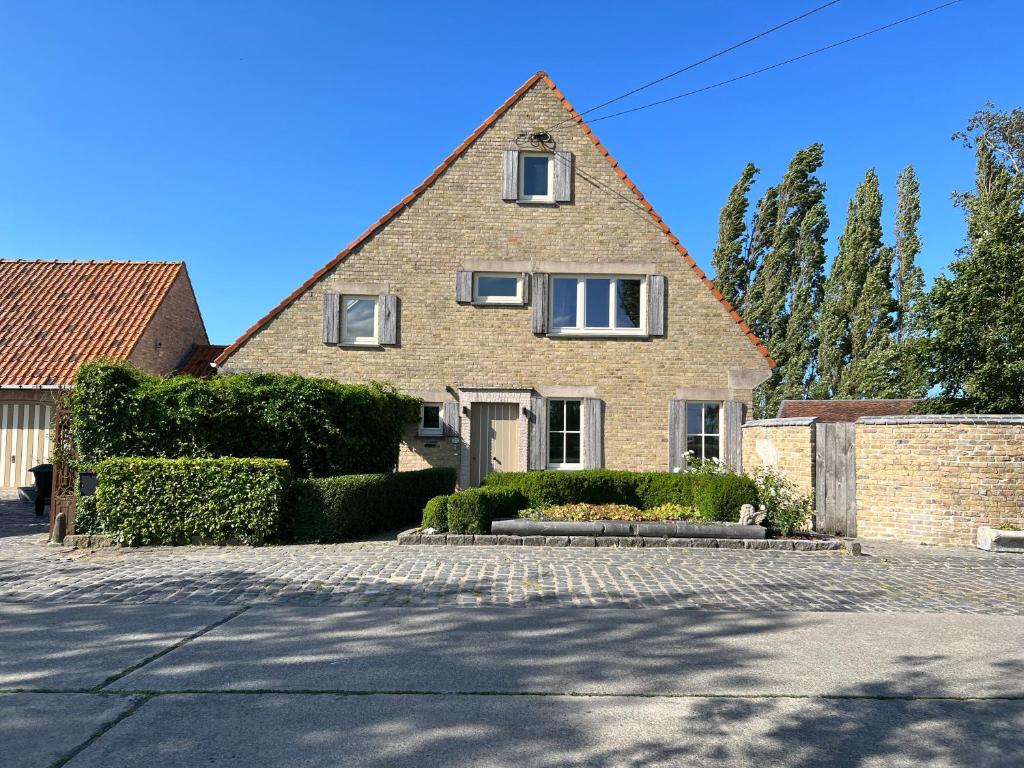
(1000, 539)
(670, 529)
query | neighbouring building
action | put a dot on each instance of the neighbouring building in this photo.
(531, 296)
(57, 315)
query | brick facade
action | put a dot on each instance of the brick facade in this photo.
(175, 328)
(786, 445)
(461, 222)
(934, 480)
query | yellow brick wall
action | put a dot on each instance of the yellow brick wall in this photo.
(443, 344)
(174, 329)
(934, 480)
(786, 445)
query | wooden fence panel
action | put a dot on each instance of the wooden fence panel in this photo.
(835, 479)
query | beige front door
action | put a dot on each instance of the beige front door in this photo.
(493, 440)
(24, 441)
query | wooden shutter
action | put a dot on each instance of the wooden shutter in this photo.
(510, 175)
(450, 418)
(463, 286)
(540, 302)
(332, 318)
(538, 424)
(563, 177)
(388, 318)
(676, 435)
(593, 425)
(526, 287)
(656, 305)
(732, 432)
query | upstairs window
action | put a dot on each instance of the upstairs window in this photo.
(496, 288)
(703, 431)
(359, 320)
(564, 434)
(536, 178)
(598, 305)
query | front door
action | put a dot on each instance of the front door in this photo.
(493, 440)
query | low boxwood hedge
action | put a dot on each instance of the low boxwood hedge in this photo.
(473, 510)
(717, 497)
(172, 501)
(333, 509)
(435, 514)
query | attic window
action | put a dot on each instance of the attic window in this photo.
(536, 177)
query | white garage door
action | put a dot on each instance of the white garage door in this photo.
(24, 441)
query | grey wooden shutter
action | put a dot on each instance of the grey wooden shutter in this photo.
(593, 424)
(656, 305)
(540, 302)
(463, 286)
(733, 434)
(563, 177)
(526, 287)
(510, 175)
(332, 318)
(388, 318)
(450, 418)
(538, 458)
(676, 435)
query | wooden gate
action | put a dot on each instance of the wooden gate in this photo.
(65, 458)
(835, 479)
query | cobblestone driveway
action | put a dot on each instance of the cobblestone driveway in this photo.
(382, 574)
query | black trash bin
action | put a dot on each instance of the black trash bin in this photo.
(43, 474)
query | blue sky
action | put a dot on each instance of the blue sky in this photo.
(256, 139)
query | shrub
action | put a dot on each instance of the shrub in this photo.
(719, 497)
(473, 510)
(547, 488)
(86, 520)
(170, 501)
(435, 514)
(337, 508)
(588, 512)
(322, 428)
(786, 509)
(657, 488)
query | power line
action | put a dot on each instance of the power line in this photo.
(778, 64)
(705, 60)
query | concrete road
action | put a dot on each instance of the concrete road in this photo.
(123, 685)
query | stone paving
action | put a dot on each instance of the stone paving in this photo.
(380, 573)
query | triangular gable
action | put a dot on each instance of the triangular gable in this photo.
(408, 199)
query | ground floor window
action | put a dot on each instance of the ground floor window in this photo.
(564, 433)
(430, 419)
(703, 429)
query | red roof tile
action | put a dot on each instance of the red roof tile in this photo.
(843, 410)
(199, 361)
(538, 77)
(56, 315)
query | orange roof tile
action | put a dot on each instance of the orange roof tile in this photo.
(408, 199)
(199, 361)
(844, 410)
(56, 315)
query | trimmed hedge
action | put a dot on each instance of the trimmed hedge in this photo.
(473, 510)
(717, 497)
(322, 428)
(171, 501)
(435, 514)
(338, 508)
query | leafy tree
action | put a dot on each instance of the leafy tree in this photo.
(908, 279)
(731, 257)
(975, 344)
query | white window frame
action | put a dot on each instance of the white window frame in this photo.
(550, 196)
(702, 434)
(437, 431)
(564, 465)
(580, 328)
(360, 341)
(479, 299)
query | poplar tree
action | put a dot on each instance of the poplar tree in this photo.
(908, 279)
(731, 257)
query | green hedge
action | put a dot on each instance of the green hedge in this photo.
(473, 510)
(435, 514)
(322, 428)
(170, 501)
(717, 497)
(338, 508)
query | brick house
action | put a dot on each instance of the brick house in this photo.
(531, 296)
(57, 315)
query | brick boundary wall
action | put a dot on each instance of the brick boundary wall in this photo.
(786, 444)
(935, 479)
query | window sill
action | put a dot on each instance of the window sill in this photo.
(430, 435)
(642, 335)
(551, 202)
(564, 467)
(360, 345)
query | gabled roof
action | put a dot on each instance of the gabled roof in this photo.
(843, 410)
(408, 199)
(56, 315)
(199, 361)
